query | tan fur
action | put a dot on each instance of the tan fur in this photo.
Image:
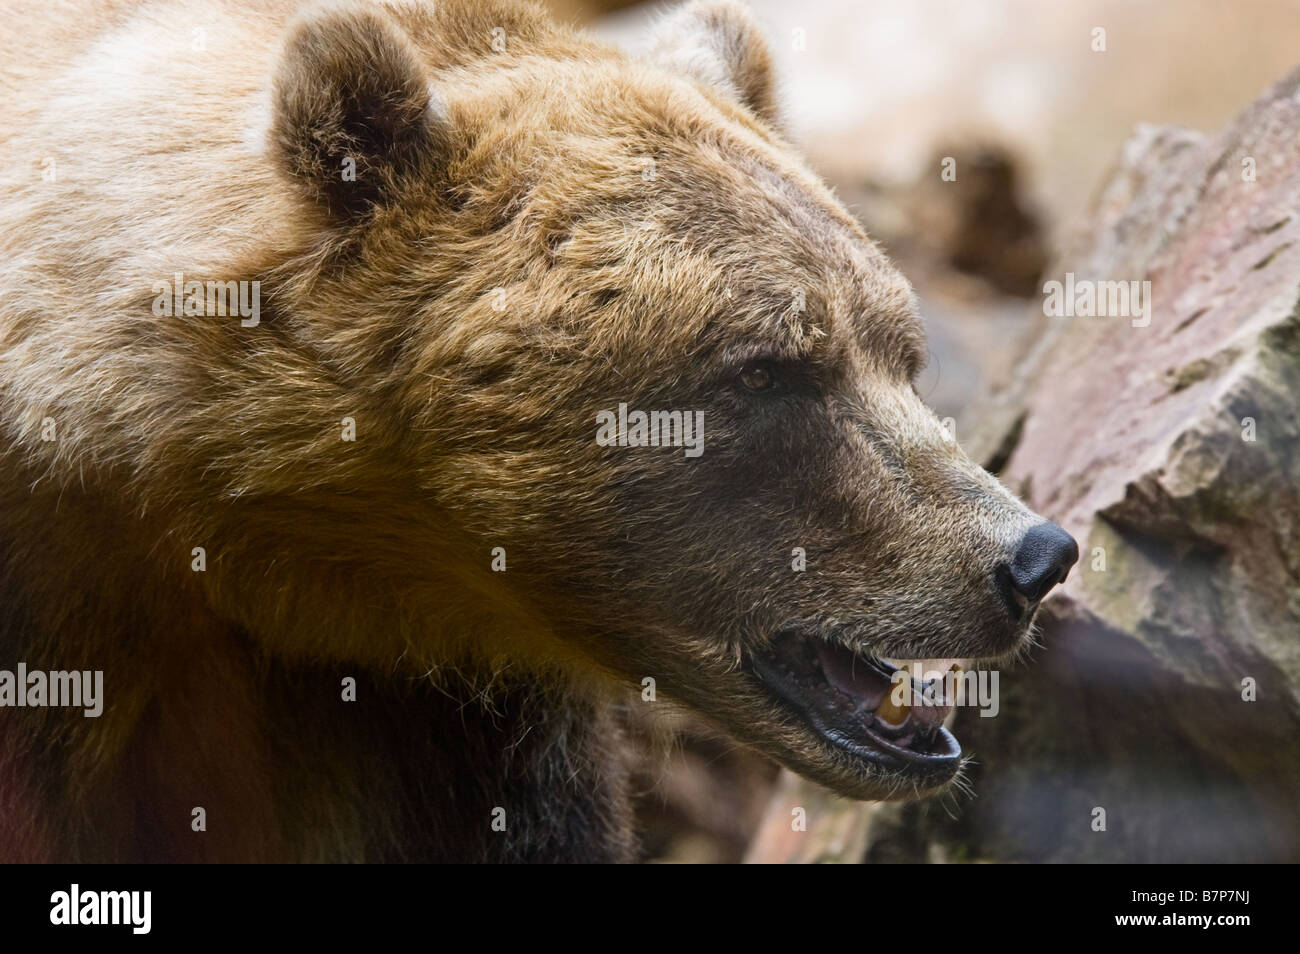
(480, 170)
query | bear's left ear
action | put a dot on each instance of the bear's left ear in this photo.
(718, 42)
(354, 120)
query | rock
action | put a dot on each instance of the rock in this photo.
(1171, 450)
(1168, 442)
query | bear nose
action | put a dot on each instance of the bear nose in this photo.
(1043, 559)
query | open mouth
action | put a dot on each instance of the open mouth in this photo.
(851, 702)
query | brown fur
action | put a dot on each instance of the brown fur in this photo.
(478, 170)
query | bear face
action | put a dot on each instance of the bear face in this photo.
(520, 264)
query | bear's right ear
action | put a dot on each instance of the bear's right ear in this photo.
(719, 43)
(353, 118)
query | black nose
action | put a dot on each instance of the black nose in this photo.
(1042, 560)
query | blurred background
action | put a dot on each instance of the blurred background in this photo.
(1077, 129)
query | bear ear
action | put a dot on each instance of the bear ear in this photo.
(718, 43)
(353, 117)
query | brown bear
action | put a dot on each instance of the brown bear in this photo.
(393, 391)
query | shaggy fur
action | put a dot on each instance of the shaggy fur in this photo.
(535, 233)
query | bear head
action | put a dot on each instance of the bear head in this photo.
(640, 352)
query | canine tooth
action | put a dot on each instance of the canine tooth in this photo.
(946, 667)
(938, 667)
(890, 713)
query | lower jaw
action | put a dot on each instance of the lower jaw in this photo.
(928, 772)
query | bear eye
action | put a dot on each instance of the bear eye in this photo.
(757, 377)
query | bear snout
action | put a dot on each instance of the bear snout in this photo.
(1042, 559)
